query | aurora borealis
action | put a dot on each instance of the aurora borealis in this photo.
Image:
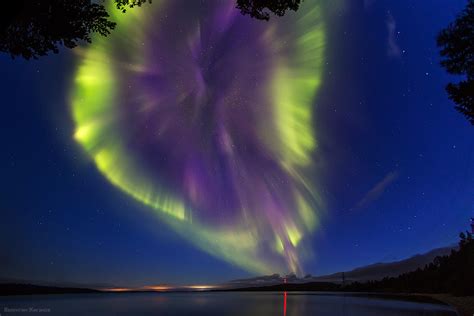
(210, 126)
(194, 145)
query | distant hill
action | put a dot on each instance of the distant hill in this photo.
(28, 289)
(375, 271)
(378, 271)
(64, 284)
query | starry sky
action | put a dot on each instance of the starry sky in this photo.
(379, 159)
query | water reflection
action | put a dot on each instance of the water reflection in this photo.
(340, 304)
(223, 303)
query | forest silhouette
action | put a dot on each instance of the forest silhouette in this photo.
(452, 274)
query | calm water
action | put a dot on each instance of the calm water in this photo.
(210, 304)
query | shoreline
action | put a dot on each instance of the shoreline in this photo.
(464, 305)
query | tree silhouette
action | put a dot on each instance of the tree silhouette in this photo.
(31, 29)
(34, 28)
(260, 9)
(123, 4)
(457, 49)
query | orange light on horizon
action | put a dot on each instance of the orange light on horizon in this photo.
(158, 288)
(201, 287)
(163, 288)
(117, 289)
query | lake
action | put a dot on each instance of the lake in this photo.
(220, 303)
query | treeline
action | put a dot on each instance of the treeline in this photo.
(30, 289)
(453, 274)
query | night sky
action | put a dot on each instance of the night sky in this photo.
(380, 156)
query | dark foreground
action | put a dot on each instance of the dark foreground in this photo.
(222, 303)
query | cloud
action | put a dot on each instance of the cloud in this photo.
(393, 50)
(377, 190)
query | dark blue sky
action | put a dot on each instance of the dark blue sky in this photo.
(396, 164)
